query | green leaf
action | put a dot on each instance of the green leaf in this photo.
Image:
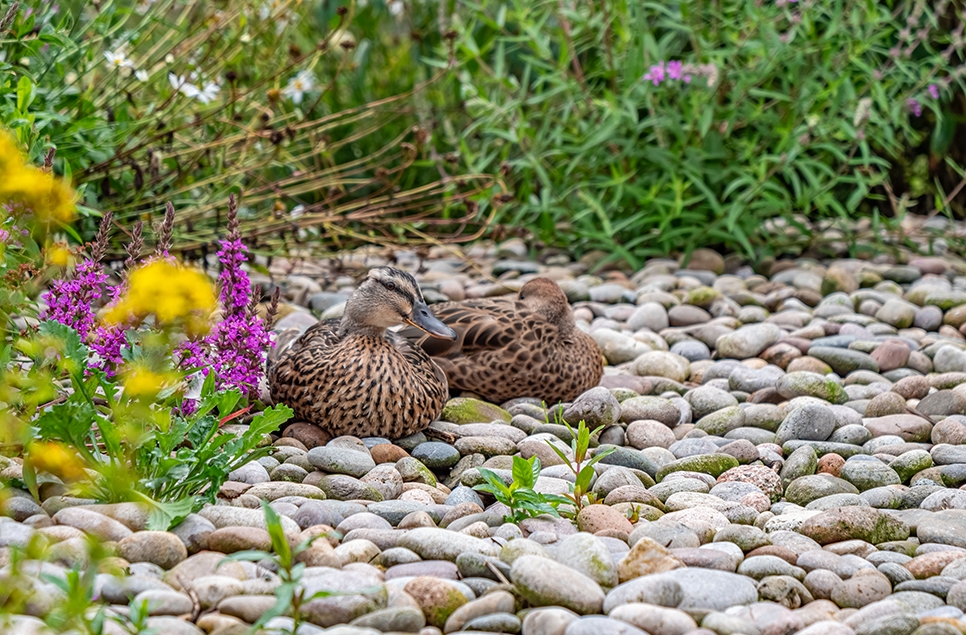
(279, 542)
(164, 516)
(523, 475)
(268, 421)
(560, 453)
(25, 93)
(494, 483)
(582, 483)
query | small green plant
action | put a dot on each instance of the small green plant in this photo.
(519, 495)
(581, 465)
(76, 609)
(290, 595)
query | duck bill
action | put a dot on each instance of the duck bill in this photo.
(423, 319)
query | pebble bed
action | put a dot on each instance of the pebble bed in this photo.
(789, 457)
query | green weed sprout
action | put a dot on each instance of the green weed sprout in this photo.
(519, 495)
(581, 466)
(290, 595)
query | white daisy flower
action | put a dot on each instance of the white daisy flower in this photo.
(395, 7)
(141, 75)
(205, 95)
(208, 93)
(118, 59)
(302, 83)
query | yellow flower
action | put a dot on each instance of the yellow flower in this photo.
(169, 292)
(55, 458)
(58, 254)
(47, 196)
(141, 381)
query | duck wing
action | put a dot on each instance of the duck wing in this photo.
(480, 325)
(292, 340)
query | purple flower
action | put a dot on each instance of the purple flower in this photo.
(655, 74)
(108, 343)
(934, 91)
(4, 235)
(240, 341)
(914, 106)
(674, 69)
(71, 302)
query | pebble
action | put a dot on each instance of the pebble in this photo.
(543, 582)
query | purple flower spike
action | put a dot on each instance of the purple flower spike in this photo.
(934, 91)
(240, 340)
(914, 106)
(71, 302)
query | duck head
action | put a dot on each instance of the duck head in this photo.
(389, 297)
(545, 298)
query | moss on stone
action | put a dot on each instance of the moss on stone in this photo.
(466, 410)
(713, 464)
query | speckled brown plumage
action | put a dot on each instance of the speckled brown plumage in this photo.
(528, 346)
(352, 376)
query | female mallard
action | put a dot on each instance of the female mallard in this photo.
(529, 346)
(352, 376)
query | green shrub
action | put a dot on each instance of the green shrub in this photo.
(808, 108)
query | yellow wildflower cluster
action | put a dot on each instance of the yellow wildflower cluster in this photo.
(47, 196)
(169, 292)
(58, 254)
(55, 458)
(141, 381)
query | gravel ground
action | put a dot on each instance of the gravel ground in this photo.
(790, 456)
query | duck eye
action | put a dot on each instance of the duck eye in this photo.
(390, 285)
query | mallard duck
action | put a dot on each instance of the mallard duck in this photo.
(527, 346)
(353, 376)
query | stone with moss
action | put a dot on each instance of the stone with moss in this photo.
(589, 555)
(806, 384)
(854, 523)
(437, 598)
(413, 471)
(702, 297)
(467, 410)
(946, 300)
(713, 464)
(723, 421)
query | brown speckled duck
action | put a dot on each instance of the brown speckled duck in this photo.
(528, 346)
(352, 376)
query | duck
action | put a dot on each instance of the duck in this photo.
(509, 347)
(353, 375)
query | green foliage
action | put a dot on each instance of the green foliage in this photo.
(154, 100)
(133, 449)
(290, 595)
(580, 465)
(791, 109)
(76, 608)
(519, 495)
(795, 112)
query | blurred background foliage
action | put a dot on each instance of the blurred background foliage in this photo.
(638, 128)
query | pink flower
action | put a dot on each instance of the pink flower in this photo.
(674, 69)
(914, 106)
(655, 74)
(934, 91)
